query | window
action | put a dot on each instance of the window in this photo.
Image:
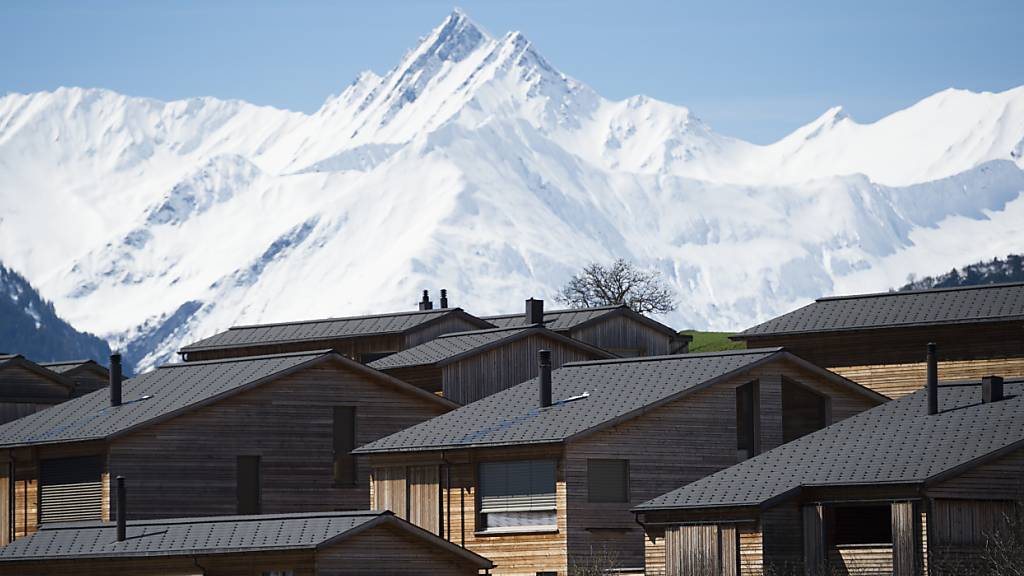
(607, 480)
(247, 484)
(747, 421)
(517, 496)
(344, 444)
(862, 525)
(71, 489)
(803, 410)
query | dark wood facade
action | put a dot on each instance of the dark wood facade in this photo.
(186, 465)
(625, 335)
(26, 387)
(891, 361)
(685, 439)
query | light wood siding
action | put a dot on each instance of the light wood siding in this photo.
(300, 563)
(620, 332)
(692, 550)
(898, 380)
(388, 490)
(481, 375)
(287, 422)
(518, 554)
(904, 538)
(751, 550)
(424, 492)
(960, 530)
(861, 560)
(999, 479)
(729, 546)
(674, 445)
(387, 550)
(654, 552)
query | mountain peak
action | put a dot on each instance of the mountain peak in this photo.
(455, 38)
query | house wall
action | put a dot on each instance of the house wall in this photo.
(300, 563)
(447, 325)
(88, 379)
(23, 392)
(520, 554)
(620, 332)
(674, 445)
(497, 369)
(891, 361)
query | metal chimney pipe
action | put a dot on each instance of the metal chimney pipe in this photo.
(425, 303)
(122, 510)
(444, 298)
(534, 311)
(991, 389)
(544, 361)
(933, 380)
(115, 379)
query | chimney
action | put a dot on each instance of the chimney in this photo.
(425, 303)
(122, 510)
(115, 379)
(991, 389)
(544, 361)
(534, 311)
(444, 298)
(933, 380)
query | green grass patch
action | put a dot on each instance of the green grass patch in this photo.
(712, 341)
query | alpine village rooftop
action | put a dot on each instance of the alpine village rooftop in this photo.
(859, 435)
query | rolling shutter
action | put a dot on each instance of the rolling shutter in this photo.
(519, 486)
(71, 489)
(607, 480)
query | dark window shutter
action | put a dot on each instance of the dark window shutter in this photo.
(517, 486)
(71, 489)
(747, 420)
(607, 480)
(344, 444)
(247, 484)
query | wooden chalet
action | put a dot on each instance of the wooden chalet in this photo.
(265, 434)
(878, 339)
(616, 329)
(541, 477)
(902, 489)
(467, 366)
(311, 544)
(27, 387)
(88, 375)
(361, 338)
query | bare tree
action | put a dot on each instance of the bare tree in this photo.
(621, 283)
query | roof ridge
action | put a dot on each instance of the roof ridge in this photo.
(556, 311)
(485, 331)
(342, 318)
(62, 362)
(311, 353)
(666, 357)
(917, 292)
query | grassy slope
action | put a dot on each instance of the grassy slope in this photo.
(711, 341)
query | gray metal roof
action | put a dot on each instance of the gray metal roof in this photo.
(326, 329)
(994, 302)
(614, 390)
(69, 365)
(22, 362)
(895, 443)
(165, 392)
(569, 318)
(451, 347)
(209, 535)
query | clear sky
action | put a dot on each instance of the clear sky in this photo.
(753, 69)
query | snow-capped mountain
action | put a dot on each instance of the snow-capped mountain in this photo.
(475, 165)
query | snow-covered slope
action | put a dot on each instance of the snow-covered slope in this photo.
(475, 165)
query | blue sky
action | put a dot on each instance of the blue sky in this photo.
(756, 70)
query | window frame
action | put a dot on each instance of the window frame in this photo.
(481, 527)
(240, 506)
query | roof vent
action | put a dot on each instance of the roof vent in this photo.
(991, 389)
(425, 303)
(534, 311)
(444, 298)
(933, 380)
(115, 379)
(544, 363)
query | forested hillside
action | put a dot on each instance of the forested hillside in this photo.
(995, 271)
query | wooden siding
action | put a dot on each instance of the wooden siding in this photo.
(516, 554)
(999, 479)
(425, 377)
(287, 422)
(696, 437)
(654, 552)
(693, 550)
(300, 563)
(24, 392)
(388, 550)
(904, 538)
(978, 341)
(814, 539)
(960, 530)
(783, 538)
(475, 377)
(861, 560)
(751, 550)
(898, 380)
(620, 332)
(447, 325)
